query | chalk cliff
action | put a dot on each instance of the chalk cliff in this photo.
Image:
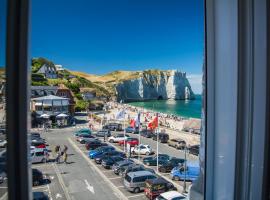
(155, 84)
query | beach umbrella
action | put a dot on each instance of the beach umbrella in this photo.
(46, 116)
(62, 115)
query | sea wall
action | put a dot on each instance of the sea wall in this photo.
(165, 85)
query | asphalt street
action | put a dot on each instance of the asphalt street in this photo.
(78, 180)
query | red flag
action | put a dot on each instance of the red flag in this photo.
(132, 123)
(153, 124)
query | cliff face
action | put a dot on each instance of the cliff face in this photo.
(152, 85)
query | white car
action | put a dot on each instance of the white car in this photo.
(3, 143)
(143, 149)
(38, 157)
(118, 138)
(171, 195)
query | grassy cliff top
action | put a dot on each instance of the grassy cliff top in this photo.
(119, 76)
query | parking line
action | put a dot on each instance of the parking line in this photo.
(39, 187)
(115, 178)
(61, 181)
(120, 186)
(137, 195)
(4, 196)
(120, 194)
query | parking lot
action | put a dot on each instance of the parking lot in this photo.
(51, 184)
(117, 181)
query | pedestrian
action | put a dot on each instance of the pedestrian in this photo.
(65, 148)
(65, 157)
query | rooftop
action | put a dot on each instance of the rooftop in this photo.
(50, 97)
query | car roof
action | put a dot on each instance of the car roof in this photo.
(139, 173)
(171, 194)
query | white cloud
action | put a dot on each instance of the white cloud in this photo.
(195, 81)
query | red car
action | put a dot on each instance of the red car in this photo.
(131, 141)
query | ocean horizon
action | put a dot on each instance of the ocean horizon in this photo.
(183, 108)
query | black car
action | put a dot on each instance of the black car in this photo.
(163, 137)
(108, 162)
(105, 155)
(123, 171)
(40, 196)
(116, 166)
(103, 132)
(152, 160)
(113, 127)
(167, 166)
(194, 149)
(147, 133)
(93, 144)
(37, 177)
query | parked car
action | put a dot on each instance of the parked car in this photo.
(40, 196)
(35, 135)
(147, 133)
(84, 130)
(179, 173)
(134, 168)
(155, 187)
(103, 132)
(177, 143)
(163, 137)
(142, 149)
(167, 166)
(171, 195)
(38, 157)
(113, 127)
(108, 162)
(82, 137)
(135, 181)
(130, 129)
(194, 150)
(152, 160)
(93, 144)
(116, 166)
(131, 141)
(118, 138)
(37, 177)
(94, 153)
(3, 143)
(99, 158)
(38, 145)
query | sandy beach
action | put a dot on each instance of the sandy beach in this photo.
(172, 125)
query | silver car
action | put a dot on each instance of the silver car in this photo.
(135, 181)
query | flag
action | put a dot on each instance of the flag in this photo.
(153, 124)
(132, 123)
(136, 121)
(120, 115)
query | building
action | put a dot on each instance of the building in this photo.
(59, 68)
(51, 105)
(63, 91)
(39, 91)
(88, 93)
(48, 71)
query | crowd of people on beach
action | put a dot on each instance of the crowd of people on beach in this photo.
(166, 120)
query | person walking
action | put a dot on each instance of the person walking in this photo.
(65, 157)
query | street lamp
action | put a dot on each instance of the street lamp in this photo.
(185, 171)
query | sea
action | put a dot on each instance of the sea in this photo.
(183, 108)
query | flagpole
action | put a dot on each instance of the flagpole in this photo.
(157, 131)
(139, 155)
(124, 130)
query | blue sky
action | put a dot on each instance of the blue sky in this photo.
(99, 36)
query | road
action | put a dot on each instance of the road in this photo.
(78, 179)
